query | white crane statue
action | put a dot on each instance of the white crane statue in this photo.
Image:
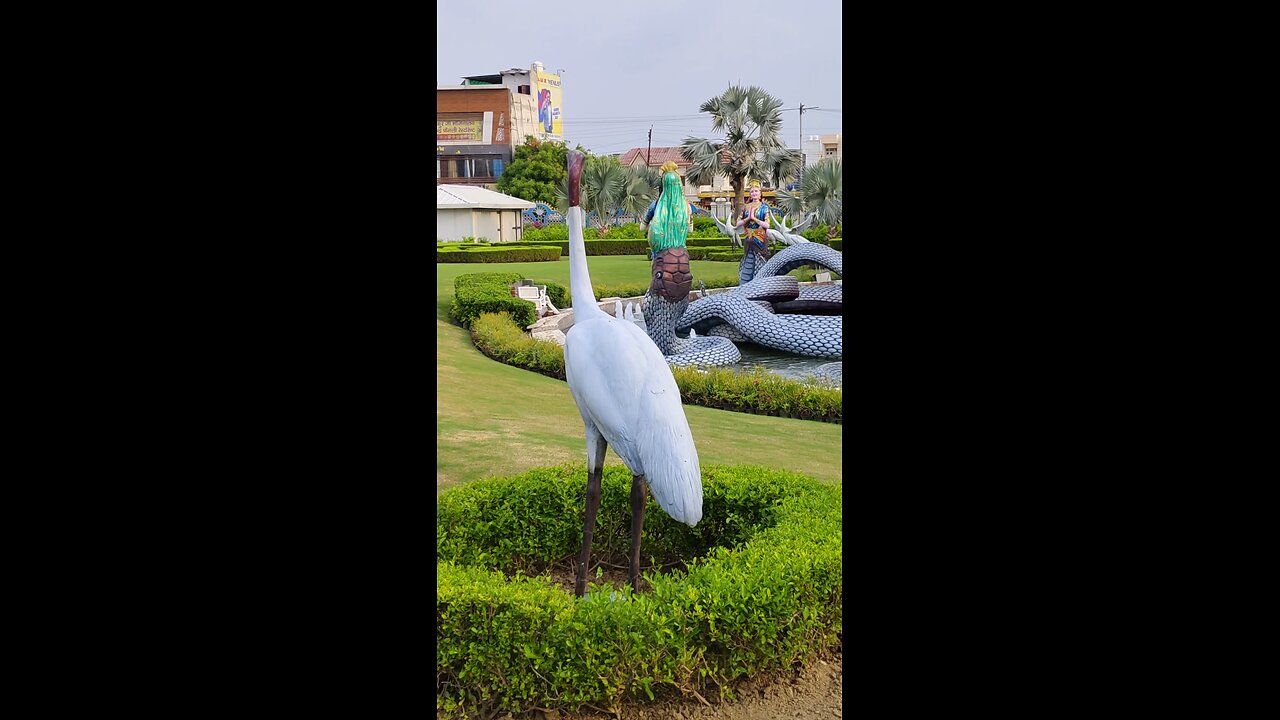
(733, 231)
(628, 400)
(788, 235)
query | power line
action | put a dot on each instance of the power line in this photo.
(645, 118)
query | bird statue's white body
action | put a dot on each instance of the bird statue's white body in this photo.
(627, 395)
(733, 231)
(788, 235)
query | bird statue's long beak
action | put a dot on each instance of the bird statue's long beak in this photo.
(575, 177)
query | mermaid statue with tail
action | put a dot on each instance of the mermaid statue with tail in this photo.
(671, 280)
(755, 223)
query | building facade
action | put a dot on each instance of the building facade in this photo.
(817, 147)
(468, 211)
(480, 122)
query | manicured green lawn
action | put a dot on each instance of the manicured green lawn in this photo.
(495, 419)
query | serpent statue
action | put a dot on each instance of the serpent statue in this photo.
(751, 312)
(767, 308)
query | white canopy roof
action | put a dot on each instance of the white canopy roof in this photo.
(474, 197)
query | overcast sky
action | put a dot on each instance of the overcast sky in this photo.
(627, 66)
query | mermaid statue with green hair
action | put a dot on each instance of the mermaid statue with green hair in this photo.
(669, 221)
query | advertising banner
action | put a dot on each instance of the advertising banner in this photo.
(463, 129)
(546, 88)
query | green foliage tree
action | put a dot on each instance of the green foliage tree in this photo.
(820, 193)
(536, 169)
(750, 120)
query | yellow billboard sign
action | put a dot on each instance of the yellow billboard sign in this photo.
(452, 129)
(547, 90)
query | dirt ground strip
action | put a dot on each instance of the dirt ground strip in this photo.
(809, 693)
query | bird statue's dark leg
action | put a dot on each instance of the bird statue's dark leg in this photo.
(639, 496)
(596, 447)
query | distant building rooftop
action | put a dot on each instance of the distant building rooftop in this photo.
(493, 79)
(470, 196)
(657, 157)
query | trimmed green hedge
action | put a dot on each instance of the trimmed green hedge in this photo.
(497, 254)
(756, 391)
(616, 247)
(464, 311)
(636, 289)
(762, 589)
(734, 256)
(499, 338)
(760, 392)
(553, 232)
(594, 247)
(698, 248)
(626, 231)
(477, 293)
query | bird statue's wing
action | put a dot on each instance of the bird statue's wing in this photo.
(617, 309)
(624, 387)
(730, 230)
(777, 236)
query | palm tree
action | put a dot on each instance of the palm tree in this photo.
(610, 190)
(820, 193)
(750, 120)
(642, 187)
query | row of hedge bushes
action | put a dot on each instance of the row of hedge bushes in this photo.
(476, 293)
(637, 289)
(498, 338)
(756, 391)
(630, 247)
(499, 254)
(697, 247)
(702, 228)
(761, 587)
(731, 256)
(540, 239)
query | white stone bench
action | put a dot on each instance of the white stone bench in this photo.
(536, 294)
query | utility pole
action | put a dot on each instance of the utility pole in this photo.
(650, 150)
(800, 175)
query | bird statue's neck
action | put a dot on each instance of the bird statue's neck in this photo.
(584, 299)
